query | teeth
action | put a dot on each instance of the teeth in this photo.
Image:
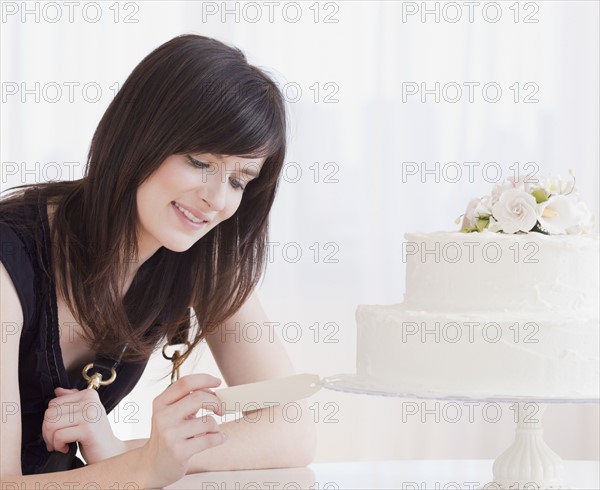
(189, 215)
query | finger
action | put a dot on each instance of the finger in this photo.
(48, 436)
(64, 391)
(192, 402)
(185, 385)
(206, 441)
(53, 424)
(64, 436)
(74, 401)
(197, 426)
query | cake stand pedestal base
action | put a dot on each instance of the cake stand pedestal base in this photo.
(528, 463)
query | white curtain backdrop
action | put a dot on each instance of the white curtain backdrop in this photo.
(359, 131)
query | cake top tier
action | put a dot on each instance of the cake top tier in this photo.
(454, 271)
(534, 250)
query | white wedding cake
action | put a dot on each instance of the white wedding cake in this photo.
(508, 310)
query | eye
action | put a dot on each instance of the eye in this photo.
(197, 163)
(236, 184)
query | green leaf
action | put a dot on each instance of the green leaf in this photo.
(540, 195)
(482, 223)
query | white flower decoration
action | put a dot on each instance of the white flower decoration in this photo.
(469, 217)
(523, 183)
(515, 210)
(530, 203)
(484, 207)
(557, 185)
(494, 225)
(561, 215)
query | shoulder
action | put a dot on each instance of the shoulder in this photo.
(18, 259)
(15, 252)
(246, 347)
(10, 304)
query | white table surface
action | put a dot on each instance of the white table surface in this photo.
(405, 474)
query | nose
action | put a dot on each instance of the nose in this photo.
(214, 192)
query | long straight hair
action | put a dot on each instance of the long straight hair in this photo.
(192, 94)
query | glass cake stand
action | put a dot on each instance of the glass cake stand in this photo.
(527, 464)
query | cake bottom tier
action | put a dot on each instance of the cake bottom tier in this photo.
(495, 354)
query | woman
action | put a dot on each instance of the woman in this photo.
(172, 213)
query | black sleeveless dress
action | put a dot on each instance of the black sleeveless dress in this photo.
(41, 367)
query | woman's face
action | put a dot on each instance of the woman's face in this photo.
(187, 196)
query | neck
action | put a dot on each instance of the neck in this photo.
(146, 249)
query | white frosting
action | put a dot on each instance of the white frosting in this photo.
(449, 271)
(495, 328)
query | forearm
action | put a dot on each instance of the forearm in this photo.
(262, 439)
(116, 472)
(117, 447)
(130, 444)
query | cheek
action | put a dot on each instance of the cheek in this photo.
(233, 205)
(171, 177)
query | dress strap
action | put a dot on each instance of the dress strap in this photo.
(102, 362)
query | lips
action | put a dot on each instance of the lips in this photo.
(195, 212)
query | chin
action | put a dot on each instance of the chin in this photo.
(181, 243)
(178, 246)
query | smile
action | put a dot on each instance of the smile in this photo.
(187, 216)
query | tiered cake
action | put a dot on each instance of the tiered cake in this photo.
(492, 313)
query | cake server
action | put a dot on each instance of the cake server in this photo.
(268, 393)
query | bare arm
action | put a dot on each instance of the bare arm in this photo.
(119, 470)
(122, 471)
(11, 325)
(261, 438)
(160, 460)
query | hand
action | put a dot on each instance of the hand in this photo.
(79, 416)
(177, 433)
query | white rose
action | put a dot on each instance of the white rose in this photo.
(523, 183)
(561, 215)
(498, 189)
(515, 211)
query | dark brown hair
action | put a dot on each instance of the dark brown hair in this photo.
(192, 94)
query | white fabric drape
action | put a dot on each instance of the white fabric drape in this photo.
(351, 136)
